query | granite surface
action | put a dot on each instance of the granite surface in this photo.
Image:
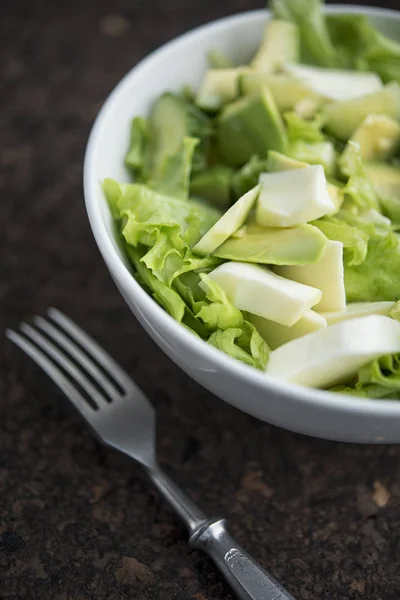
(77, 522)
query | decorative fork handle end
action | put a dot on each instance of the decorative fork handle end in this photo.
(249, 580)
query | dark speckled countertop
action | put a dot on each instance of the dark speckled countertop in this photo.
(76, 520)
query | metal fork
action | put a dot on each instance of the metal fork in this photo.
(123, 418)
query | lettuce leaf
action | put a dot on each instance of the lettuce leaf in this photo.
(358, 188)
(315, 40)
(200, 126)
(173, 176)
(377, 278)
(378, 380)
(370, 221)
(341, 40)
(243, 343)
(145, 214)
(384, 371)
(304, 130)
(247, 176)
(163, 294)
(219, 312)
(135, 158)
(167, 262)
(208, 303)
(157, 230)
(350, 34)
(355, 241)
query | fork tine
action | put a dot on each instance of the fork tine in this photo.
(92, 347)
(62, 360)
(82, 358)
(53, 372)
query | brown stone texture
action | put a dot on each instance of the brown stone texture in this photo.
(77, 521)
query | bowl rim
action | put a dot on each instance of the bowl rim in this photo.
(316, 398)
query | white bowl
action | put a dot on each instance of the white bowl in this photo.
(183, 61)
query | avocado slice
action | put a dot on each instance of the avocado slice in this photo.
(277, 161)
(171, 119)
(213, 185)
(343, 118)
(232, 220)
(248, 126)
(378, 137)
(287, 90)
(385, 179)
(218, 87)
(280, 45)
(299, 245)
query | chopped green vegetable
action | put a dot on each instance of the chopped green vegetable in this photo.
(315, 41)
(244, 344)
(304, 130)
(280, 162)
(288, 91)
(355, 241)
(172, 177)
(136, 155)
(247, 177)
(213, 185)
(219, 86)
(218, 60)
(210, 206)
(280, 45)
(299, 245)
(358, 187)
(343, 118)
(172, 118)
(248, 126)
(163, 294)
(377, 278)
(315, 153)
(230, 222)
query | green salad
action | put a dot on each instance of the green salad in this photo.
(264, 209)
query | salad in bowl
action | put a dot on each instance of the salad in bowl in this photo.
(263, 212)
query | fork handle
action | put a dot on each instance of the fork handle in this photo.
(243, 573)
(246, 577)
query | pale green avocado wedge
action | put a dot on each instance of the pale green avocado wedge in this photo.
(280, 45)
(248, 126)
(378, 137)
(299, 245)
(230, 222)
(288, 91)
(386, 182)
(343, 118)
(385, 179)
(276, 161)
(218, 87)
